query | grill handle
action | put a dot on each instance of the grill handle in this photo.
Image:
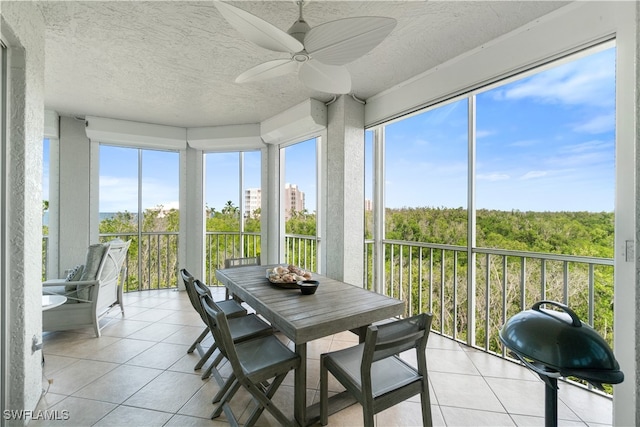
(575, 320)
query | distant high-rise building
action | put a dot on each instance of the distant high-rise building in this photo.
(293, 200)
(252, 201)
(368, 204)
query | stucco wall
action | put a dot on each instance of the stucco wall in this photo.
(23, 30)
(75, 193)
(637, 246)
(345, 191)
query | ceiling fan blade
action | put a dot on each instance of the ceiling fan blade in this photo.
(257, 30)
(345, 40)
(267, 70)
(325, 78)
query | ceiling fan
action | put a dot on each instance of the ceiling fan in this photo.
(318, 54)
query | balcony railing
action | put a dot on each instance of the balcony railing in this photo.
(434, 278)
(299, 250)
(220, 245)
(154, 263)
(429, 277)
(152, 259)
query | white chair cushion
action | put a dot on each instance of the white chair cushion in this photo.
(92, 264)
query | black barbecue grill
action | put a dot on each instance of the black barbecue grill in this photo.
(558, 344)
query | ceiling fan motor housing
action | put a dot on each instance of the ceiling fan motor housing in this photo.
(299, 30)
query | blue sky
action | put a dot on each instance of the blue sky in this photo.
(544, 143)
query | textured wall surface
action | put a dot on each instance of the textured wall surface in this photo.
(75, 193)
(345, 191)
(23, 28)
(637, 299)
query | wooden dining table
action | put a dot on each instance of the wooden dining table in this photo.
(335, 307)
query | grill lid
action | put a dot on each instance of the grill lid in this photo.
(558, 343)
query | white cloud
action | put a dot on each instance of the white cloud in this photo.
(420, 142)
(584, 156)
(118, 194)
(534, 174)
(587, 81)
(598, 124)
(579, 160)
(589, 146)
(525, 143)
(495, 176)
(484, 133)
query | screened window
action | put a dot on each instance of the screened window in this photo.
(545, 152)
(299, 195)
(233, 198)
(425, 188)
(490, 197)
(139, 200)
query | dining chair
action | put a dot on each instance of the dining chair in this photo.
(374, 373)
(241, 328)
(231, 308)
(259, 365)
(240, 262)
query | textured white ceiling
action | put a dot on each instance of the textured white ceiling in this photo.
(174, 62)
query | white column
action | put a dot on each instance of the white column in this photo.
(75, 203)
(191, 241)
(344, 234)
(271, 223)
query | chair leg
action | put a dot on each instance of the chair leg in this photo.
(368, 420)
(425, 401)
(234, 387)
(120, 297)
(324, 392)
(225, 388)
(96, 325)
(207, 373)
(264, 402)
(198, 340)
(205, 357)
(368, 414)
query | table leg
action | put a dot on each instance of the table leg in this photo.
(362, 333)
(300, 387)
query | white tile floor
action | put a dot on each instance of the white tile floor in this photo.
(139, 374)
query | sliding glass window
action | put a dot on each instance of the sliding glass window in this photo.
(233, 198)
(139, 196)
(479, 189)
(299, 195)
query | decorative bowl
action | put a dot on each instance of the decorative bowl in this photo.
(308, 287)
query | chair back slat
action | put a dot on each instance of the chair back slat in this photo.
(194, 297)
(399, 344)
(388, 339)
